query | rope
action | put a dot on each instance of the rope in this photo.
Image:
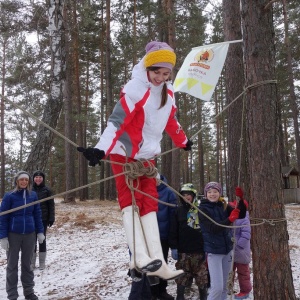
(230, 281)
(129, 168)
(60, 194)
(260, 83)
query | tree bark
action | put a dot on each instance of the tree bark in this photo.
(39, 154)
(270, 250)
(234, 74)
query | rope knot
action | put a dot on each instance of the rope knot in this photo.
(139, 168)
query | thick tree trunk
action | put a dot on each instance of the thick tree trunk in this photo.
(270, 250)
(39, 154)
(234, 74)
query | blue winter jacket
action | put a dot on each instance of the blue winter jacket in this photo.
(23, 221)
(217, 239)
(165, 212)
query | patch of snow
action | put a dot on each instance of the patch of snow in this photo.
(87, 257)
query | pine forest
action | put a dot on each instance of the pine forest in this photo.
(63, 65)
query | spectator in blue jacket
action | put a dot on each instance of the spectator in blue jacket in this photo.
(142, 289)
(18, 233)
(164, 214)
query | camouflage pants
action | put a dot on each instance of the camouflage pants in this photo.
(194, 266)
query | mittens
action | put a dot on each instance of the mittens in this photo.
(93, 155)
(239, 192)
(174, 254)
(5, 243)
(188, 146)
(40, 237)
(234, 215)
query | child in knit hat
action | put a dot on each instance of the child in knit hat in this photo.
(217, 239)
(134, 132)
(242, 250)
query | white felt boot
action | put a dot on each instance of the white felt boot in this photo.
(139, 253)
(150, 226)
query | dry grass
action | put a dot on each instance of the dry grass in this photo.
(87, 214)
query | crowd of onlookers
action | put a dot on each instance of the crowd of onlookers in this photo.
(201, 247)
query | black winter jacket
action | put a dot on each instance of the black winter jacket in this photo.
(47, 207)
(217, 239)
(183, 237)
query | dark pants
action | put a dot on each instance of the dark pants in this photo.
(162, 286)
(25, 244)
(140, 290)
(42, 247)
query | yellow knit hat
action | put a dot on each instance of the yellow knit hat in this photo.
(159, 54)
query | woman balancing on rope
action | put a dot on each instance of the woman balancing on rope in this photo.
(146, 108)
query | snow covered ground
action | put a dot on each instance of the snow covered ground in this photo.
(88, 256)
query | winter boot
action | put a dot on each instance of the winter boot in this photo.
(42, 260)
(33, 262)
(139, 252)
(32, 296)
(150, 226)
(165, 296)
(180, 292)
(202, 293)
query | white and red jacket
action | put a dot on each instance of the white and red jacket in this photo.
(137, 123)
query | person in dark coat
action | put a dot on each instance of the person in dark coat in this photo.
(186, 242)
(164, 215)
(218, 243)
(145, 289)
(48, 214)
(18, 231)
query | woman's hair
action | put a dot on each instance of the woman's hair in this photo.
(20, 175)
(164, 92)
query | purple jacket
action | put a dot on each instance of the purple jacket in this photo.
(242, 252)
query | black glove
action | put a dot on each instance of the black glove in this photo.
(93, 155)
(242, 207)
(50, 223)
(188, 145)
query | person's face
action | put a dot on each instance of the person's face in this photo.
(187, 197)
(159, 76)
(23, 183)
(213, 195)
(38, 180)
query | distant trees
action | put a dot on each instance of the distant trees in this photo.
(95, 55)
